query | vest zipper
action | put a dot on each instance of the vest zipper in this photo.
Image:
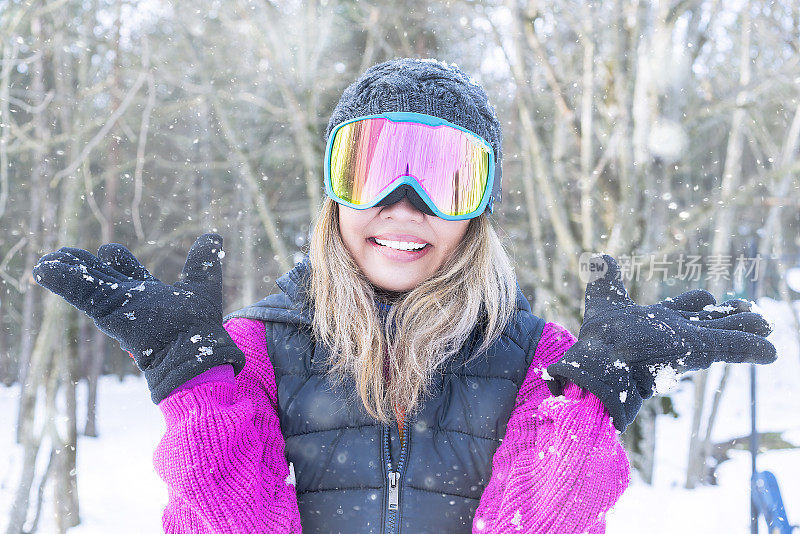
(394, 479)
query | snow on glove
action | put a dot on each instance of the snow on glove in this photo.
(626, 352)
(174, 332)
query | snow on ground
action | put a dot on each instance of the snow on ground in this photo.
(121, 493)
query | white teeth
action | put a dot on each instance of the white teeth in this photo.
(401, 245)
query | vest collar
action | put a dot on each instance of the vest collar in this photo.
(295, 283)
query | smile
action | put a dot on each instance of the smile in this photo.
(400, 245)
(400, 251)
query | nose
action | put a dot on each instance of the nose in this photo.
(403, 209)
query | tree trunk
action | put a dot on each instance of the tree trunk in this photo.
(29, 437)
(100, 342)
(6, 370)
(65, 486)
(38, 187)
(721, 241)
(639, 439)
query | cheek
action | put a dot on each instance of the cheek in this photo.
(451, 233)
(351, 224)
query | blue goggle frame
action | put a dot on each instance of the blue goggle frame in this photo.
(421, 118)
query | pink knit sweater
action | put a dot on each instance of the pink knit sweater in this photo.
(559, 468)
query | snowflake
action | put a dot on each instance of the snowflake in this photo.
(517, 520)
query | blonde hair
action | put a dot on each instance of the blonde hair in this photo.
(432, 321)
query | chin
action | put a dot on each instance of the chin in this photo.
(396, 288)
(393, 285)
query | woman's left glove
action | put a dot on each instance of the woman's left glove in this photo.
(625, 351)
(173, 332)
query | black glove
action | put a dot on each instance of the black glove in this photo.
(626, 352)
(174, 332)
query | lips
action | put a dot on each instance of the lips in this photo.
(405, 238)
(399, 255)
(378, 242)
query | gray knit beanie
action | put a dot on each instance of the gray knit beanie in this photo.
(423, 86)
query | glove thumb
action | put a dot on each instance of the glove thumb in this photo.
(202, 271)
(606, 292)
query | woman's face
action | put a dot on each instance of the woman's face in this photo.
(399, 225)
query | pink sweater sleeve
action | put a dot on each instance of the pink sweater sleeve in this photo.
(222, 455)
(560, 466)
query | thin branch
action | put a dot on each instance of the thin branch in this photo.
(263, 103)
(112, 120)
(10, 254)
(32, 109)
(13, 250)
(243, 166)
(5, 124)
(587, 179)
(143, 131)
(549, 73)
(89, 188)
(556, 210)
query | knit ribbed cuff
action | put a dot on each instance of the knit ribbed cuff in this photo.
(220, 373)
(202, 399)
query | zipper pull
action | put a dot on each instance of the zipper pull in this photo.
(394, 492)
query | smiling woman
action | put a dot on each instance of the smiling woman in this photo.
(399, 381)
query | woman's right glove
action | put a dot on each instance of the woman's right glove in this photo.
(624, 350)
(173, 332)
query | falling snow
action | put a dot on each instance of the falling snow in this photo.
(517, 520)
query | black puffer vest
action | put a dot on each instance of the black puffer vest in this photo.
(352, 475)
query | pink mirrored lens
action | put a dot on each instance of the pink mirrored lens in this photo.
(369, 155)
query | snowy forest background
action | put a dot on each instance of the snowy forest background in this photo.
(645, 129)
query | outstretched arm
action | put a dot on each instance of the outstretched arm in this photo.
(560, 466)
(222, 455)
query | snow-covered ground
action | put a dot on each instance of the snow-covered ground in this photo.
(121, 493)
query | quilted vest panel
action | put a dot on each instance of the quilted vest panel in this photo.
(342, 457)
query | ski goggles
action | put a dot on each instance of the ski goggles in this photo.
(449, 167)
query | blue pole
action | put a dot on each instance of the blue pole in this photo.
(753, 430)
(753, 449)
